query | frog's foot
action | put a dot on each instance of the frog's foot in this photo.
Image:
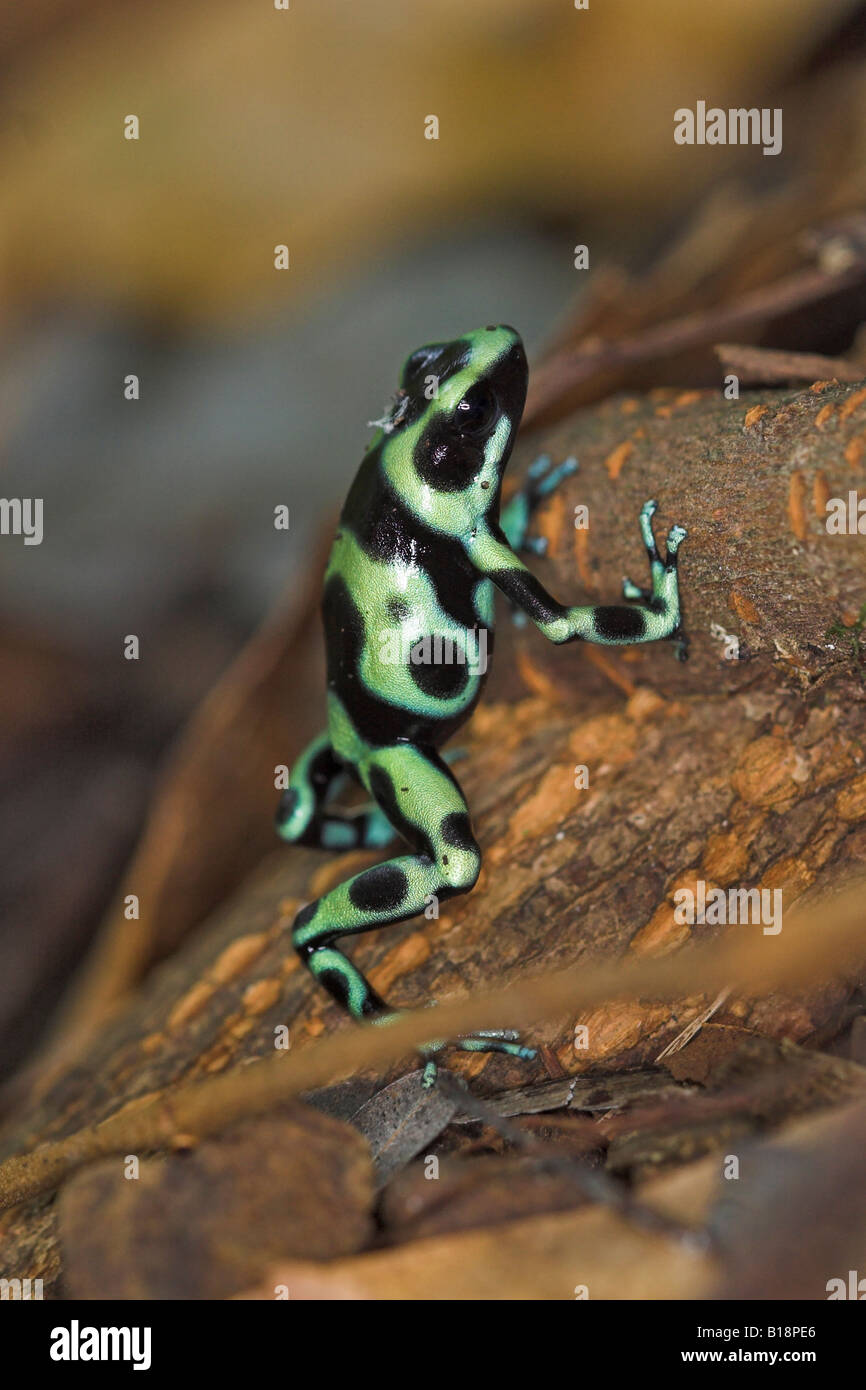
(542, 480)
(664, 588)
(485, 1040)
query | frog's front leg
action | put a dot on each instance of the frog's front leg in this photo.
(301, 818)
(607, 624)
(518, 512)
(420, 797)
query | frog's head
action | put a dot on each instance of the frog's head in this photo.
(454, 421)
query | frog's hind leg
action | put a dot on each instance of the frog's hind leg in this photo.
(301, 818)
(422, 800)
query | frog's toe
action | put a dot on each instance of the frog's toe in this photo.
(630, 590)
(539, 466)
(556, 476)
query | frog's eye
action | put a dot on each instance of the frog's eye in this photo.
(476, 411)
(422, 363)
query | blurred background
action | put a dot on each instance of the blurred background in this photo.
(305, 127)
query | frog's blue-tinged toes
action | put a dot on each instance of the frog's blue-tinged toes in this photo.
(539, 466)
(676, 535)
(485, 1040)
(556, 476)
(485, 1044)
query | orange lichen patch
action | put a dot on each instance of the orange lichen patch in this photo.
(236, 958)
(687, 398)
(825, 415)
(190, 1004)
(335, 871)
(851, 801)
(664, 411)
(662, 935)
(611, 669)
(754, 415)
(853, 403)
(613, 1029)
(630, 406)
(289, 965)
(240, 1028)
(469, 1065)
(313, 1027)
(183, 1143)
(646, 704)
(771, 773)
(849, 617)
(399, 961)
(261, 996)
(792, 875)
(153, 1043)
(820, 494)
(507, 724)
(726, 857)
(617, 459)
(743, 607)
(554, 797)
(797, 504)
(229, 964)
(581, 558)
(607, 738)
(854, 450)
(537, 680)
(218, 1060)
(818, 386)
(549, 522)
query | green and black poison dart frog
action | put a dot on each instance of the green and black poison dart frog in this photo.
(408, 611)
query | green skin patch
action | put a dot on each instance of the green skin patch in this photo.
(408, 614)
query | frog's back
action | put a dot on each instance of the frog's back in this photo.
(408, 625)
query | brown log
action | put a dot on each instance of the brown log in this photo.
(737, 790)
(730, 777)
